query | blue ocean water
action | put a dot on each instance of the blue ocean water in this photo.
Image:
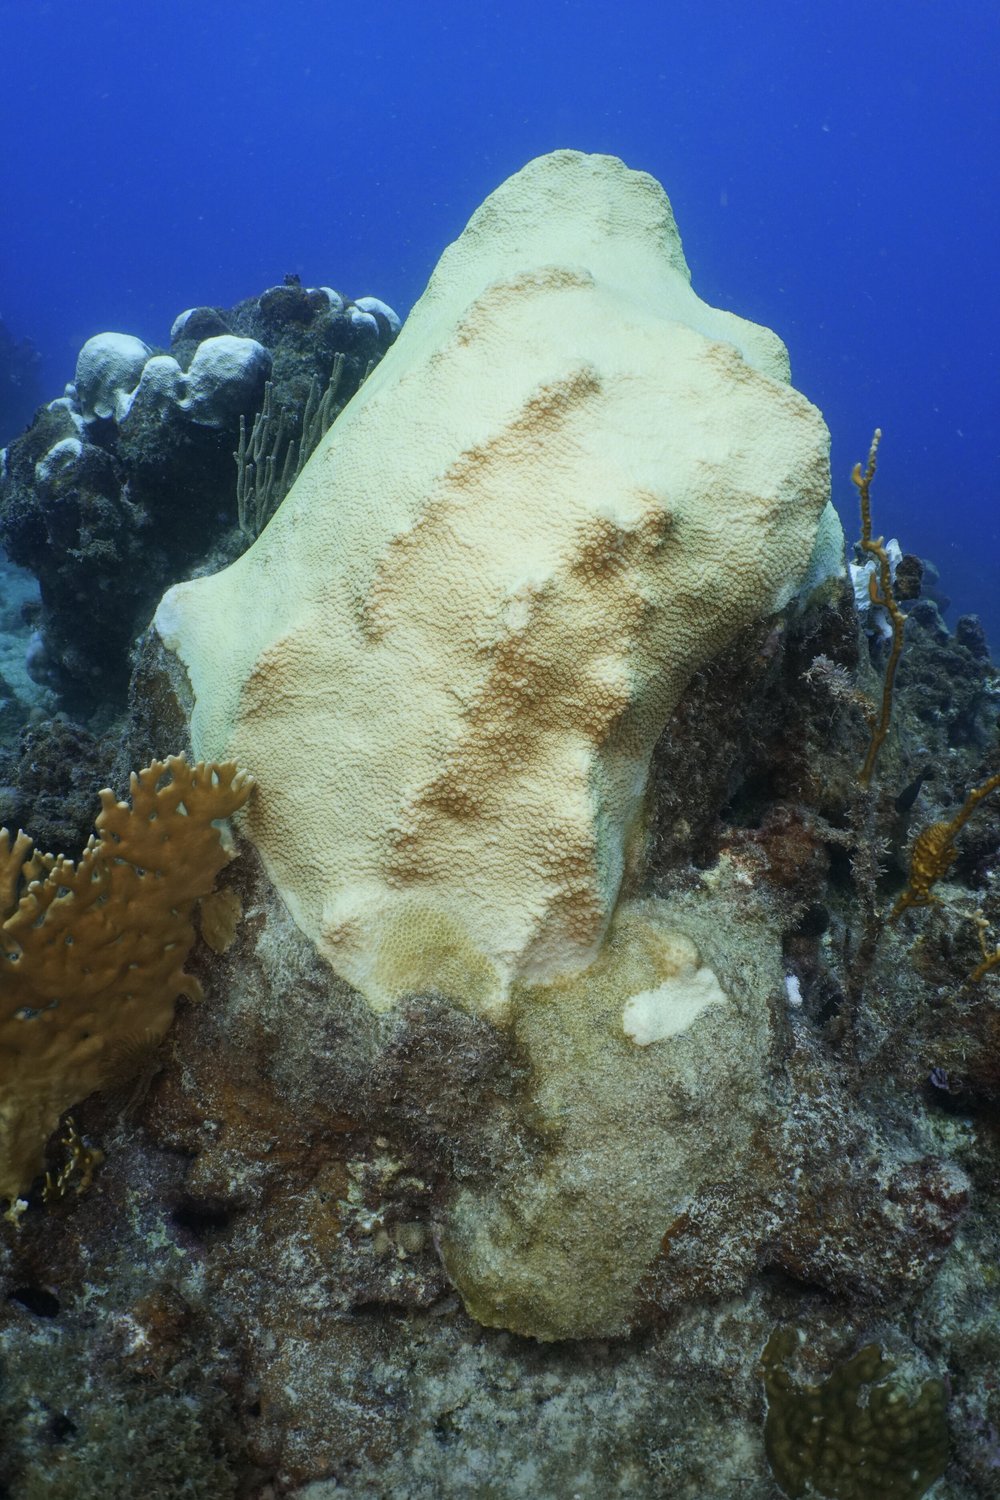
(833, 169)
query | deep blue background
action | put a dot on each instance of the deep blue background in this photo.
(833, 168)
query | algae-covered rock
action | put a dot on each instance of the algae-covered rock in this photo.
(632, 1126)
(127, 481)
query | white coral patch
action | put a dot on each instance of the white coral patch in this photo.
(61, 456)
(376, 305)
(335, 300)
(177, 326)
(362, 319)
(108, 367)
(673, 1006)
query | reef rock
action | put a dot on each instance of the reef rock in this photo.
(127, 483)
(451, 653)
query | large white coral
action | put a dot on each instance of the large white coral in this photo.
(448, 658)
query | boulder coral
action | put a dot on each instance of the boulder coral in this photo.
(592, 482)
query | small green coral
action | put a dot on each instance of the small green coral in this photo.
(854, 1436)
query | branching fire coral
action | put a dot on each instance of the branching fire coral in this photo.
(934, 851)
(881, 593)
(93, 952)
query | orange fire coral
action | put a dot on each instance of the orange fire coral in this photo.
(934, 852)
(93, 953)
(880, 591)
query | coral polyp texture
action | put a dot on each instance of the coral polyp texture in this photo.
(594, 481)
(858, 1435)
(92, 953)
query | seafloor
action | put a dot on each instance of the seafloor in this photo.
(231, 1284)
